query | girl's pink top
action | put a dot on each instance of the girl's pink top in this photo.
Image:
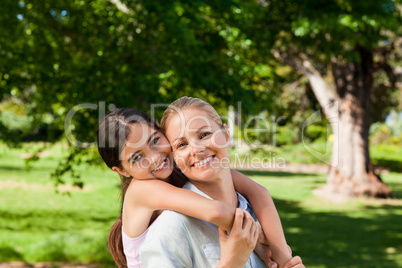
(131, 248)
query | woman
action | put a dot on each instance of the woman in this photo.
(200, 145)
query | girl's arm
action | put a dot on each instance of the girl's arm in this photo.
(159, 195)
(265, 210)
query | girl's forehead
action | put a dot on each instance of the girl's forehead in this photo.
(139, 135)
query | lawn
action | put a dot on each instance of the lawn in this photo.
(38, 224)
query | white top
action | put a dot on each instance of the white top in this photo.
(176, 240)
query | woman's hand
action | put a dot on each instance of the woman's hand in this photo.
(237, 247)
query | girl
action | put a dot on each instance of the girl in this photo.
(131, 144)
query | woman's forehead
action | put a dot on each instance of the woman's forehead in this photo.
(193, 118)
(188, 122)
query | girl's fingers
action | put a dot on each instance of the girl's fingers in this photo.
(299, 266)
(273, 265)
(290, 250)
(293, 262)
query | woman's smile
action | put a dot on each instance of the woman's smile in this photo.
(203, 162)
(200, 146)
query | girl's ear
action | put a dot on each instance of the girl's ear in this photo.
(226, 132)
(120, 171)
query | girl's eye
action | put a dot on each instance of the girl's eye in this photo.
(205, 134)
(136, 158)
(154, 141)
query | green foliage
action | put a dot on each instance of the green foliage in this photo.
(285, 135)
(389, 156)
(314, 132)
(382, 133)
(56, 55)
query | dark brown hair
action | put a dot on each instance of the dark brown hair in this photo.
(112, 135)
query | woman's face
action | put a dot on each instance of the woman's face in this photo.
(146, 154)
(200, 145)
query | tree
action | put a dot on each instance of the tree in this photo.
(350, 40)
(134, 53)
(128, 53)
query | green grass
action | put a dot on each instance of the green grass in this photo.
(37, 224)
(359, 233)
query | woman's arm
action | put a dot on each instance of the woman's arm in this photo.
(265, 210)
(159, 195)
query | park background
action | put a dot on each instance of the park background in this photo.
(311, 82)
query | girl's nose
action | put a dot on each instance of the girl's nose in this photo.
(153, 160)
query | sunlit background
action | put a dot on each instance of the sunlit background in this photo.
(311, 90)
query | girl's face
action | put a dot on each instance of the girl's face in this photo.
(146, 154)
(200, 145)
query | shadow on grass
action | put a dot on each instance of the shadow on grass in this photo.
(11, 168)
(335, 239)
(10, 254)
(276, 173)
(42, 220)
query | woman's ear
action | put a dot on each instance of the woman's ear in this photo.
(120, 171)
(226, 132)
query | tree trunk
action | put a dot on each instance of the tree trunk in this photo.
(354, 175)
(351, 173)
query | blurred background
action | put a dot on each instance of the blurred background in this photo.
(311, 89)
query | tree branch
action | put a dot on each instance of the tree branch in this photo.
(300, 62)
(120, 6)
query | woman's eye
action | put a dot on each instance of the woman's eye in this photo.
(205, 134)
(154, 141)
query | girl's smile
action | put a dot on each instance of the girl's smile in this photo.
(146, 154)
(162, 166)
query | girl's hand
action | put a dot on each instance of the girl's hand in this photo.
(295, 262)
(237, 247)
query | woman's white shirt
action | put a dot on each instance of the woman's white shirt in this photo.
(176, 240)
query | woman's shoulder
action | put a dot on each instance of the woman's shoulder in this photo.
(171, 220)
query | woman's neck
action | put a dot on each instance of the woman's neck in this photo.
(220, 188)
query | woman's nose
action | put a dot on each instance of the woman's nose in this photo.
(197, 148)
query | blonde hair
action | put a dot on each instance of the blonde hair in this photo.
(184, 103)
